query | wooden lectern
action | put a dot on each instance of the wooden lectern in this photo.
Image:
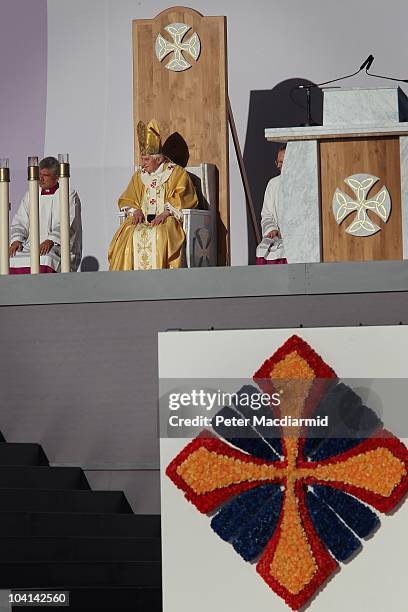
(344, 185)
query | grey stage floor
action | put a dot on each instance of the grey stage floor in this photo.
(222, 282)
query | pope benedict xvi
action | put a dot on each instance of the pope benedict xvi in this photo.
(152, 235)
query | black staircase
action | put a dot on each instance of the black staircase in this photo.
(58, 535)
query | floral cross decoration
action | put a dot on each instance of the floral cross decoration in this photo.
(297, 505)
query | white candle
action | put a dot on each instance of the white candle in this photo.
(34, 199)
(4, 216)
(64, 211)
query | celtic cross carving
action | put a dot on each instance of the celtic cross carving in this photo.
(164, 47)
(344, 205)
(201, 247)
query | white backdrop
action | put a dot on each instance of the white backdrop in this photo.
(89, 95)
(200, 571)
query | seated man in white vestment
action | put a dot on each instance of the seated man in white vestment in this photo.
(270, 250)
(49, 216)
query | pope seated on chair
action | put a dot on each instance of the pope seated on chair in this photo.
(152, 234)
(50, 230)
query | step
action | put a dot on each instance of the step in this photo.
(94, 574)
(47, 500)
(64, 550)
(137, 599)
(79, 524)
(42, 477)
(20, 453)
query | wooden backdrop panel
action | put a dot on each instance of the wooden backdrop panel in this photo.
(192, 102)
(340, 159)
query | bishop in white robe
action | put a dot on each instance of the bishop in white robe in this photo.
(49, 223)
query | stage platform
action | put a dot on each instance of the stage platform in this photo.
(79, 351)
(204, 283)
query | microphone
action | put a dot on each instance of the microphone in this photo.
(308, 88)
(367, 63)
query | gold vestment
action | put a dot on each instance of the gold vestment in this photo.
(145, 247)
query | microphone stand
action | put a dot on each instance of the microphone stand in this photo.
(308, 88)
(309, 120)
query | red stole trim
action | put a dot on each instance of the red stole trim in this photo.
(50, 191)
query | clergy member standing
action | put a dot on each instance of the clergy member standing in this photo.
(270, 250)
(152, 235)
(50, 231)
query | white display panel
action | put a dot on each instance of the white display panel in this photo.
(200, 571)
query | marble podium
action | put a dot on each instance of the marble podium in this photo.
(344, 184)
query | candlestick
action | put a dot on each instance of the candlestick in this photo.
(4, 215)
(64, 171)
(34, 199)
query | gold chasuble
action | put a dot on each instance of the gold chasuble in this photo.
(143, 246)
